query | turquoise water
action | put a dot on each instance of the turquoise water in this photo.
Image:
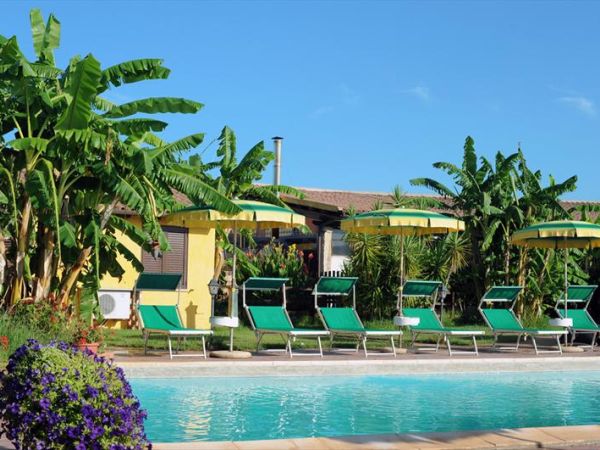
(282, 407)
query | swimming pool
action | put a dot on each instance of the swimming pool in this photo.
(193, 409)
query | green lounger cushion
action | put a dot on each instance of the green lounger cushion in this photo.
(342, 319)
(274, 318)
(505, 320)
(430, 322)
(502, 319)
(417, 288)
(162, 317)
(270, 318)
(581, 319)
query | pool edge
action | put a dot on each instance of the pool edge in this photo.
(514, 438)
(249, 368)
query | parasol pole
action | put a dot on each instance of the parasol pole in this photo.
(566, 284)
(234, 292)
(401, 290)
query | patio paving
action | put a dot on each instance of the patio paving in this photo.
(551, 438)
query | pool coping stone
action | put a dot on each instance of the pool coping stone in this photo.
(312, 367)
(586, 436)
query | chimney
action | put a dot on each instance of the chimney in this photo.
(277, 169)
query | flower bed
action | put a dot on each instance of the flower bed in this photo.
(56, 397)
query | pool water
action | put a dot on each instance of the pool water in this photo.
(216, 409)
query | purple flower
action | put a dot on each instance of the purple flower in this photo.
(45, 403)
(91, 391)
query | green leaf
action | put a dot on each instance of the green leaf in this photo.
(155, 105)
(138, 126)
(46, 38)
(134, 70)
(27, 144)
(179, 145)
(38, 29)
(200, 191)
(51, 38)
(82, 86)
(68, 235)
(142, 162)
(83, 137)
(140, 237)
(130, 256)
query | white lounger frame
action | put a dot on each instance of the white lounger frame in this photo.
(519, 334)
(288, 337)
(179, 334)
(575, 330)
(362, 337)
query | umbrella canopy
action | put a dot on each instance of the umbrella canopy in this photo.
(253, 214)
(403, 222)
(559, 234)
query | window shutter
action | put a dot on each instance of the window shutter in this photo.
(174, 260)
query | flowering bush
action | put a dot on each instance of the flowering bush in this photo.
(275, 260)
(56, 397)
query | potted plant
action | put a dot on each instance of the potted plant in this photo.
(87, 337)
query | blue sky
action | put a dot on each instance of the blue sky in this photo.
(366, 94)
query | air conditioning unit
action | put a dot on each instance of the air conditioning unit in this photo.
(115, 304)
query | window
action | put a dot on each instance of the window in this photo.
(173, 261)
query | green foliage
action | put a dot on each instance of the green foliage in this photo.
(73, 158)
(275, 260)
(496, 199)
(42, 321)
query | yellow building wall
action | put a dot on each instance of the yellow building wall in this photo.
(195, 301)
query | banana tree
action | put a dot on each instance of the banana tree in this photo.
(74, 156)
(494, 200)
(238, 180)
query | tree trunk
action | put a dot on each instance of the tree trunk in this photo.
(73, 275)
(521, 277)
(507, 260)
(477, 265)
(75, 270)
(45, 265)
(22, 244)
(2, 263)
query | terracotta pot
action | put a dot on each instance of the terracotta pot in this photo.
(4, 342)
(91, 346)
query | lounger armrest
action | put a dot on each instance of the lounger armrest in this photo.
(465, 332)
(383, 333)
(546, 332)
(309, 333)
(179, 332)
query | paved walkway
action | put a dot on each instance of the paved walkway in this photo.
(555, 438)
(550, 438)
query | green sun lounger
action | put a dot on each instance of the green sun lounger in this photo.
(582, 320)
(164, 320)
(344, 321)
(429, 323)
(504, 322)
(275, 319)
